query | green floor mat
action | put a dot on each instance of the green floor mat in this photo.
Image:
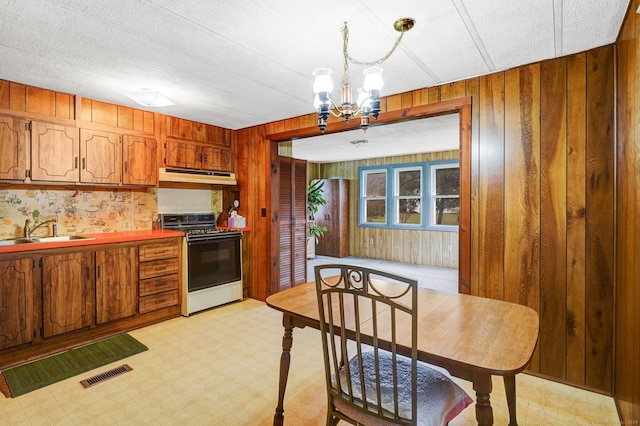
(43, 372)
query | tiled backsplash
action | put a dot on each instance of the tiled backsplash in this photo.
(78, 211)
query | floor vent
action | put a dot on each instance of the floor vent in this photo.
(92, 381)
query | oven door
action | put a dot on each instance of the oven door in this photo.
(214, 262)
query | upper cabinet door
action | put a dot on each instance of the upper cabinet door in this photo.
(13, 148)
(183, 154)
(55, 153)
(215, 158)
(101, 157)
(139, 161)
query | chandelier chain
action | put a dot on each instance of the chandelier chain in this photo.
(348, 58)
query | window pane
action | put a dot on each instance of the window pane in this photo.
(448, 181)
(409, 182)
(376, 211)
(409, 211)
(447, 211)
(376, 184)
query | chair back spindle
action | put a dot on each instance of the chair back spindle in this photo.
(369, 329)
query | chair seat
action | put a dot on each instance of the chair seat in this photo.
(439, 398)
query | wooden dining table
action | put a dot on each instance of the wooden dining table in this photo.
(473, 338)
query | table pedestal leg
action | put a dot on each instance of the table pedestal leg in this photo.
(510, 390)
(482, 385)
(285, 361)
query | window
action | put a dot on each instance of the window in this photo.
(407, 201)
(411, 196)
(445, 195)
(374, 196)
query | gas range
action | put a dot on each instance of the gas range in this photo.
(212, 260)
(197, 226)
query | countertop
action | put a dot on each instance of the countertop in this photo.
(100, 238)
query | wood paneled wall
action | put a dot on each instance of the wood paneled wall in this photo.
(30, 102)
(418, 247)
(94, 112)
(627, 389)
(542, 209)
(27, 100)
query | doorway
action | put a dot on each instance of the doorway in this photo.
(461, 106)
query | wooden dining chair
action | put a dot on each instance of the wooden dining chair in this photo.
(368, 323)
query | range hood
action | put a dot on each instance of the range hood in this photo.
(196, 176)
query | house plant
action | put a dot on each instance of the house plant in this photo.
(314, 201)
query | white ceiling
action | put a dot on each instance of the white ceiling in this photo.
(246, 62)
(433, 134)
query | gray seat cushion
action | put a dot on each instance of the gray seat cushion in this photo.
(439, 398)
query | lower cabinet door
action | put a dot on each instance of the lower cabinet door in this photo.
(16, 302)
(116, 284)
(66, 292)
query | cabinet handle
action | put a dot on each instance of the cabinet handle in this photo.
(99, 272)
(84, 163)
(205, 158)
(126, 166)
(88, 273)
(75, 163)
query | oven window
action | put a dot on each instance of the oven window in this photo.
(213, 262)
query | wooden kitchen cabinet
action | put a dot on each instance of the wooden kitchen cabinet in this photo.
(116, 279)
(101, 157)
(70, 155)
(196, 155)
(180, 128)
(183, 154)
(67, 292)
(335, 216)
(16, 302)
(55, 153)
(219, 136)
(139, 161)
(215, 158)
(13, 148)
(58, 298)
(159, 276)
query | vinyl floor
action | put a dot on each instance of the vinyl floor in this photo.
(220, 367)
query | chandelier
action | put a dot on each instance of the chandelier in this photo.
(368, 102)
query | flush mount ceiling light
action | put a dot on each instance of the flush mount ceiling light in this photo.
(359, 142)
(149, 98)
(368, 103)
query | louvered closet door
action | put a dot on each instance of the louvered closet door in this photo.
(292, 223)
(285, 223)
(299, 222)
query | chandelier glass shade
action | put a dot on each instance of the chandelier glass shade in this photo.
(368, 102)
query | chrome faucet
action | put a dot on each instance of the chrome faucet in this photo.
(28, 230)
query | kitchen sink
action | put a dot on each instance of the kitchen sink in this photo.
(15, 241)
(61, 239)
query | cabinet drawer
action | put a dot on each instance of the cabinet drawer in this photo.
(158, 285)
(158, 301)
(158, 251)
(158, 268)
